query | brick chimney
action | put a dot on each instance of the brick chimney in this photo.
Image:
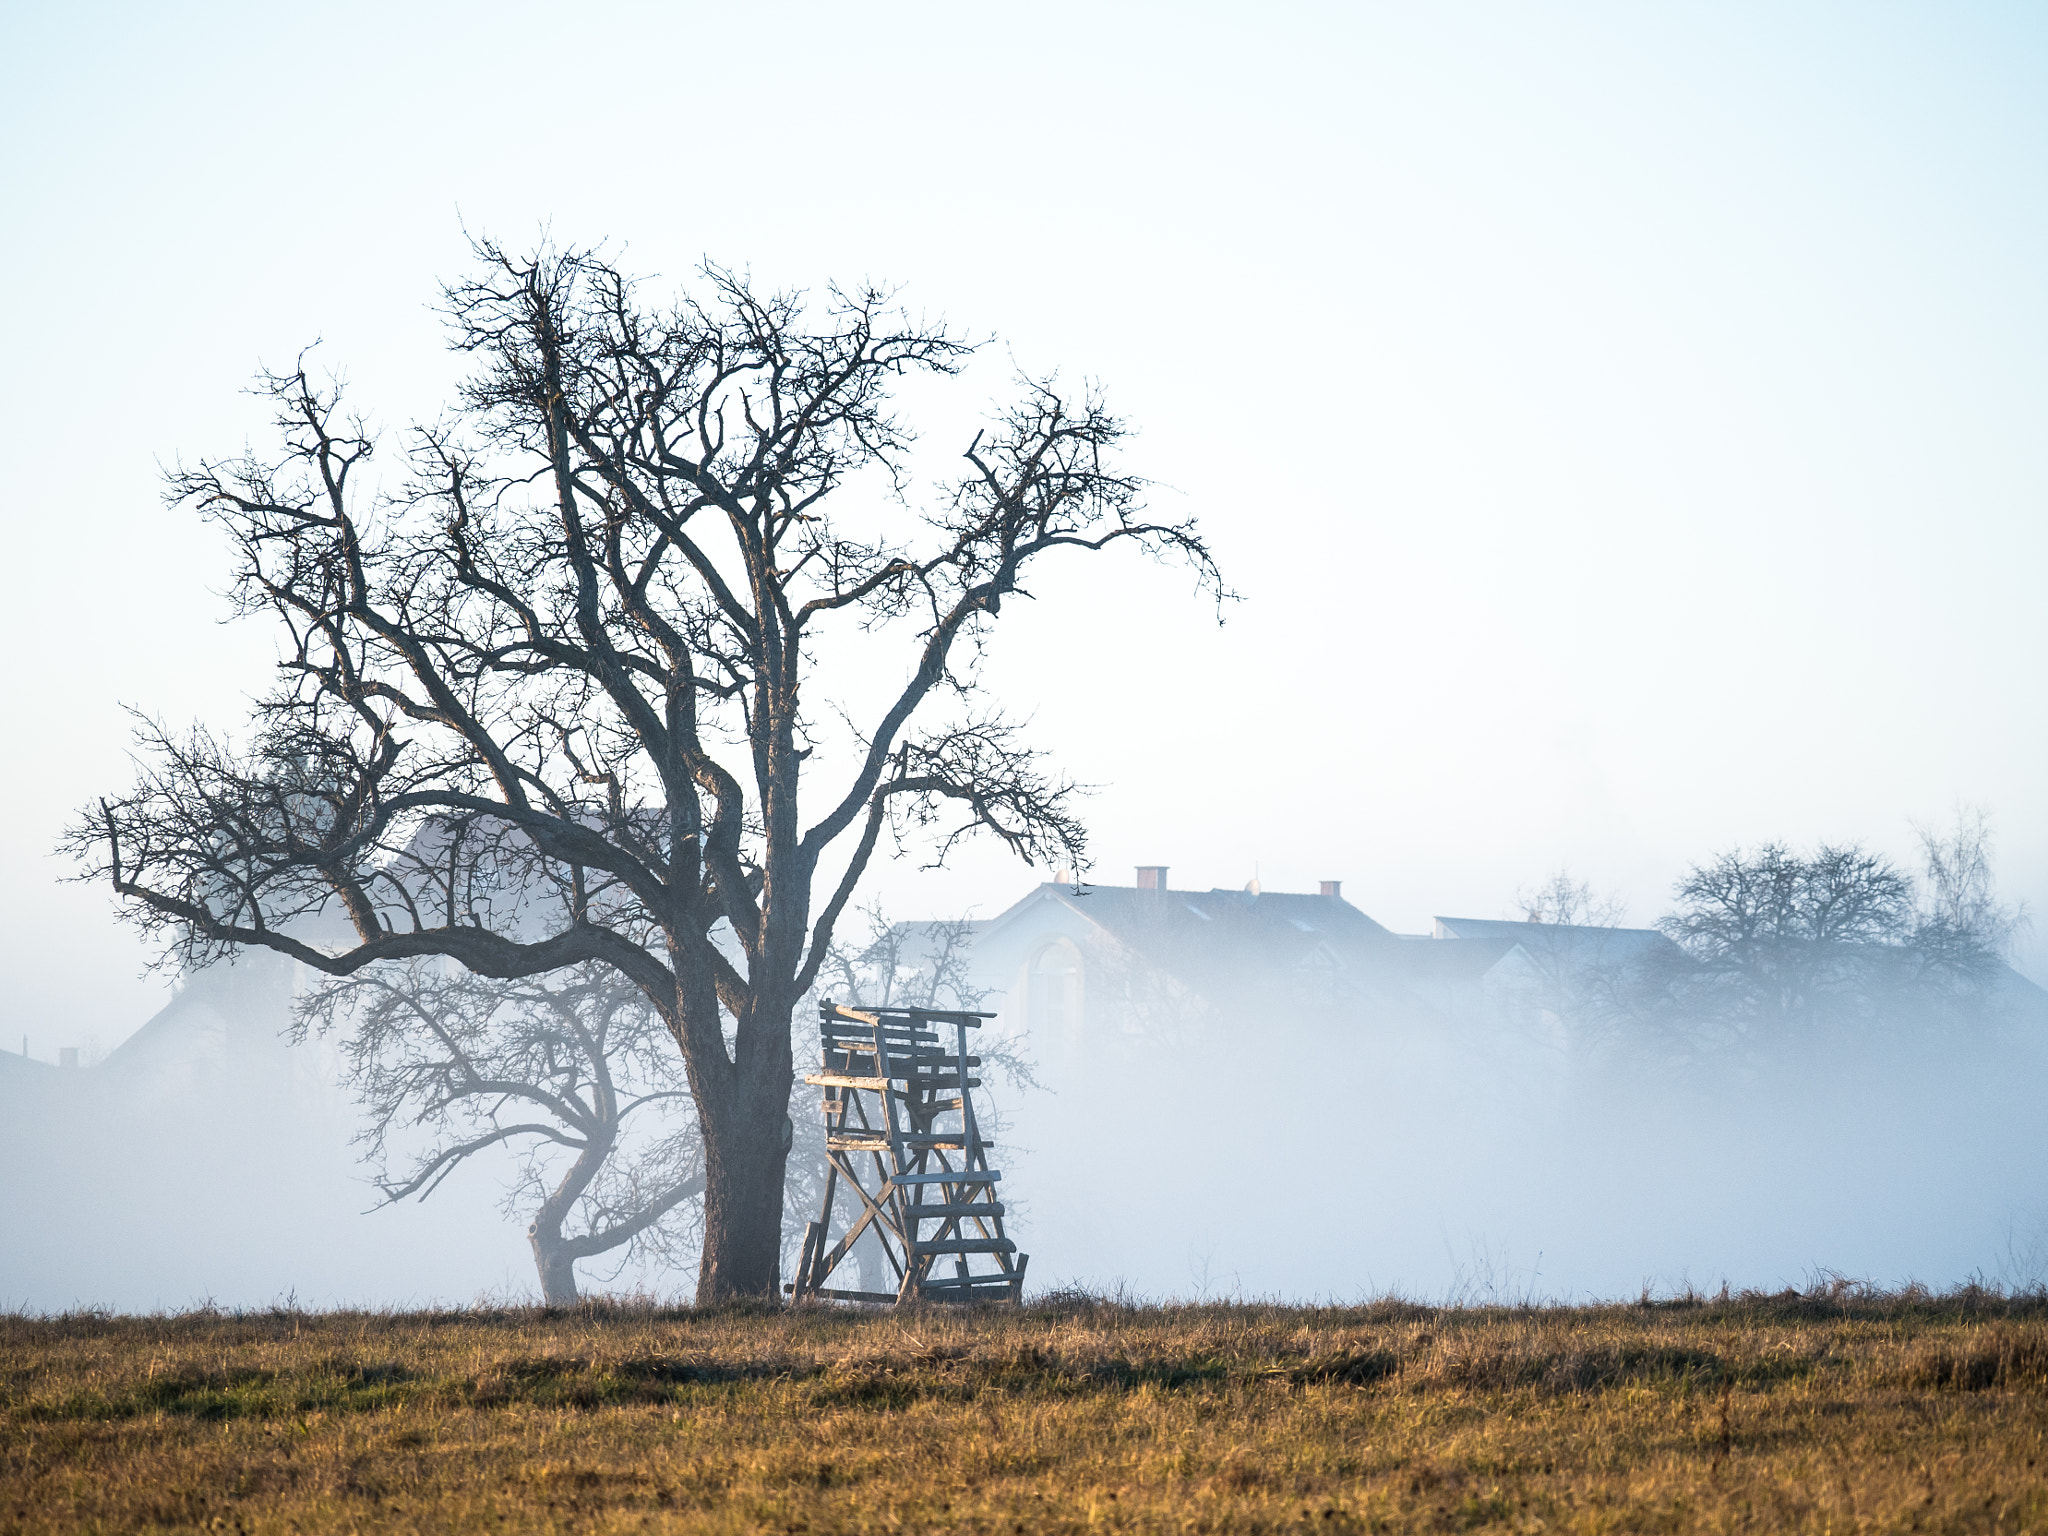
(1334, 888)
(1151, 877)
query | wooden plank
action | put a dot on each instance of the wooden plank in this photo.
(980, 1212)
(902, 1047)
(965, 1245)
(960, 1069)
(824, 1219)
(902, 1050)
(984, 1176)
(882, 1068)
(812, 1232)
(858, 1013)
(917, 1212)
(974, 1285)
(856, 1141)
(996, 1283)
(884, 1298)
(870, 1014)
(943, 1064)
(845, 1080)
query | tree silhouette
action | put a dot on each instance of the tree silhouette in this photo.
(573, 1071)
(557, 699)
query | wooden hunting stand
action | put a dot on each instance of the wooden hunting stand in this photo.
(888, 1081)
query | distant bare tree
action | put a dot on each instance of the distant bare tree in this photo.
(574, 1072)
(905, 965)
(555, 701)
(923, 965)
(1578, 971)
(1960, 910)
(1567, 901)
(1782, 948)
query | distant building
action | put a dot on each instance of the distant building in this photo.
(1072, 962)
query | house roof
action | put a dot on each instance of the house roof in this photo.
(1523, 932)
(1148, 918)
(13, 1064)
(1560, 943)
(1219, 941)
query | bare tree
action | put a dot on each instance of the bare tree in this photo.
(906, 965)
(924, 965)
(557, 701)
(1960, 908)
(573, 1071)
(1579, 969)
(1782, 942)
(1564, 901)
(1782, 948)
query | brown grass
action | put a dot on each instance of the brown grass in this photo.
(1796, 1413)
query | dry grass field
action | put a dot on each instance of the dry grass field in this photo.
(1816, 1412)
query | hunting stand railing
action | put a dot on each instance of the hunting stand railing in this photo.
(889, 1081)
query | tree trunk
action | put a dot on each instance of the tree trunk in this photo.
(744, 1157)
(557, 1268)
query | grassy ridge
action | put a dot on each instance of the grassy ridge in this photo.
(1822, 1413)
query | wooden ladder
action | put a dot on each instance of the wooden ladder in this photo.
(889, 1081)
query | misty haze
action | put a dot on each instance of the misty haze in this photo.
(1538, 1104)
(1184, 768)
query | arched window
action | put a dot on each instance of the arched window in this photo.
(1053, 991)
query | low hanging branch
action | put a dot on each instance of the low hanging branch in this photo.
(544, 705)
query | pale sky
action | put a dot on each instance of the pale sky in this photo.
(1623, 422)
